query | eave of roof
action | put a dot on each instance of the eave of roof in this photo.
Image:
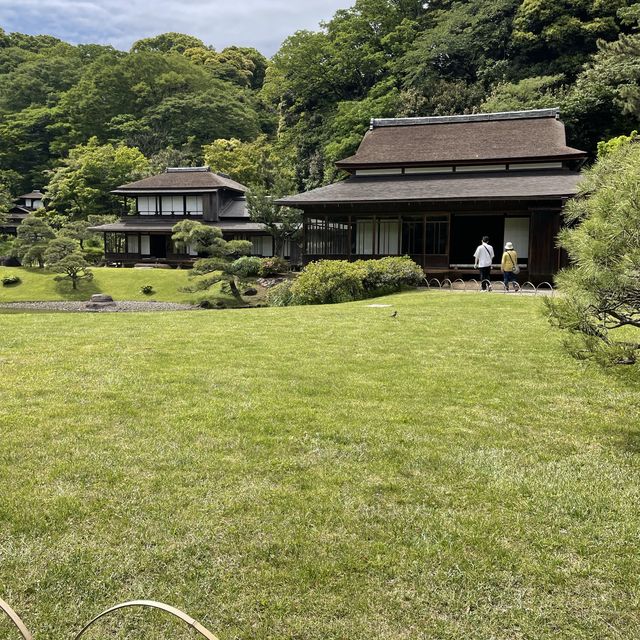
(163, 190)
(195, 180)
(351, 163)
(136, 225)
(505, 185)
(33, 195)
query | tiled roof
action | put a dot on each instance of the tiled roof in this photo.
(504, 185)
(182, 179)
(523, 135)
(33, 195)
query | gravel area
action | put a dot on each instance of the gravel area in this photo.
(82, 306)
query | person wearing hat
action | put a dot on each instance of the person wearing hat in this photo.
(510, 266)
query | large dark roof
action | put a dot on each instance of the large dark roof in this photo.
(503, 185)
(181, 180)
(509, 136)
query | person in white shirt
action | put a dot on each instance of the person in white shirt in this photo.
(483, 259)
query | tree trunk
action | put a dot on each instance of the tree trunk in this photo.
(278, 245)
(234, 289)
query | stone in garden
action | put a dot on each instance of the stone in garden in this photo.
(99, 302)
(251, 291)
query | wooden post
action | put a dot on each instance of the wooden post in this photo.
(325, 242)
(374, 238)
(349, 239)
(424, 241)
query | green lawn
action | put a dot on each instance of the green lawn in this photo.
(121, 284)
(319, 472)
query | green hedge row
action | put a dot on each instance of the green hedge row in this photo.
(330, 281)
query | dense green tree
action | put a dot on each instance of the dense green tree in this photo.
(208, 240)
(352, 119)
(188, 154)
(243, 66)
(605, 147)
(256, 164)
(466, 41)
(63, 255)
(77, 230)
(283, 223)
(600, 104)
(170, 42)
(82, 184)
(557, 36)
(600, 302)
(531, 93)
(27, 139)
(34, 235)
(41, 78)
(6, 199)
(221, 111)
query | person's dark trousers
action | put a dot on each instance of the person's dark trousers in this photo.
(485, 273)
(509, 276)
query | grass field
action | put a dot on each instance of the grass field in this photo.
(121, 284)
(319, 472)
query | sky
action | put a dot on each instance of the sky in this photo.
(262, 24)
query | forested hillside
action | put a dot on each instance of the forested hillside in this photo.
(68, 111)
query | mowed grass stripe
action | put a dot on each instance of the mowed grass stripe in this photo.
(319, 472)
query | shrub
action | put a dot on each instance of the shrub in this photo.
(10, 280)
(280, 295)
(387, 275)
(93, 255)
(329, 281)
(246, 266)
(147, 289)
(273, 266)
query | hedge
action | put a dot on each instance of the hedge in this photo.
(330, 281)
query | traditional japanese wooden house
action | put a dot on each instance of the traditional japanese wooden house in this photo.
(431, 188)
(24, 205)
(180, 193)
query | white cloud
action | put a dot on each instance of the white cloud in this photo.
(263, 24)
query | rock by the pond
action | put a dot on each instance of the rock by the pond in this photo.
(100, 301)
(251, 291)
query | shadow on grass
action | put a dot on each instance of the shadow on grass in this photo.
(84, 291)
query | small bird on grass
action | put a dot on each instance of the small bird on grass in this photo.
(394, 314)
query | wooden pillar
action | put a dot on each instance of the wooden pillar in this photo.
(304, 238)
(374, 238)
(349, 239)
(325, 236)
(424, 241)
